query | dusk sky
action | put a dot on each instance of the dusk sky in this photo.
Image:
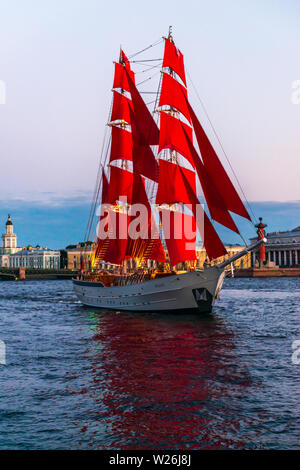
(56, 62)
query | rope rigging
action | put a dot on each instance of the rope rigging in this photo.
(150, 185)
(146, 48)
(222, 148)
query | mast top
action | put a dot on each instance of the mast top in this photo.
(170, 35)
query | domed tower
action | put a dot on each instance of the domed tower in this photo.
(9, 238)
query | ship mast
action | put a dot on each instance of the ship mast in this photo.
(134, 132)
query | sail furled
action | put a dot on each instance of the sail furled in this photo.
(173, 59)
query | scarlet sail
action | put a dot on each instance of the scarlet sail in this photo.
(121, 108)
(146, 243)
(215, 203)
(175, 95)
(144, 162)
(180, 234)
(105, 188)
(211, 240)
(120, 185)
(120, 78)
(121, 144)
(173, 59)
(171, 187)
(145, 123)
(134, 133)
(149, 163)
(216, 169)
(173, 136)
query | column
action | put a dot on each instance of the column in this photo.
(296, 257)
(290, 257)
(279, 258)
(284, 258)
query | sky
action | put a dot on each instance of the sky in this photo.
(56, 64)
(64, 223)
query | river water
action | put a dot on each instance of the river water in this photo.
(76, 378)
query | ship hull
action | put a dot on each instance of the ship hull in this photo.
(194, 291)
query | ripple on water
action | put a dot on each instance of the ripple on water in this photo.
(77, 378)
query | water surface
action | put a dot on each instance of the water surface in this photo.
(77, 378)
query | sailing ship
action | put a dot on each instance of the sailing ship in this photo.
(153, 160)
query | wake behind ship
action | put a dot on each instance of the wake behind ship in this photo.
(144, 252)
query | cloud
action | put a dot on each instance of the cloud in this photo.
(46, 198)
(57, 220)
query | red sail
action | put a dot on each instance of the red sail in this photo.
(105, 188)
(216, 170)
(113, 248)
(144, 161)
(211, 240)
(173, 59)
(120, 184)
(180, 235)
(173, 136)
(171, 187)
(124, 60)
(121, 144)
(145, 123)
(121, 108)
(215, 203)
(175, 95)
(148, 245)
(120, 78)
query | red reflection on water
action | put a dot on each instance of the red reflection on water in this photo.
(167, 382)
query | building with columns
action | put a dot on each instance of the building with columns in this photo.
(34, 258)
(282, 249)
(12, 256)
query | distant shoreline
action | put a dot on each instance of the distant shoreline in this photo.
(8, 274)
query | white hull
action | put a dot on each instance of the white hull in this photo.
(191, 291)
